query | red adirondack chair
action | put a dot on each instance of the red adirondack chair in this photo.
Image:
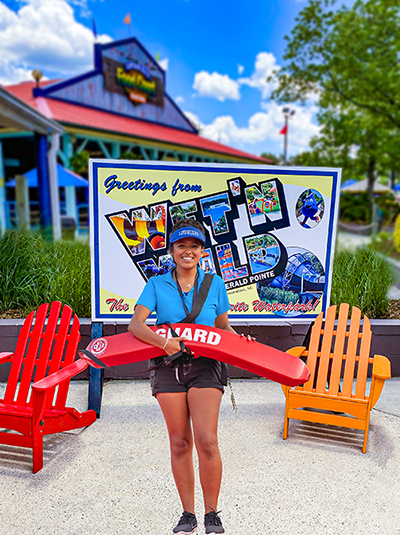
(42, 366)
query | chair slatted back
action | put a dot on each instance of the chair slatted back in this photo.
(43, 347)
(339, 350)
(352, 345)
(333, 350)
(364, 359)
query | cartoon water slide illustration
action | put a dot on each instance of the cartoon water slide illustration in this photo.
(303, 273)
(227, 265)
(138, 227)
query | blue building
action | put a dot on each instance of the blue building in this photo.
(119, 108)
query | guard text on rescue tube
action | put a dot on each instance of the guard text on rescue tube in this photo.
(196, 335)
(112, 182)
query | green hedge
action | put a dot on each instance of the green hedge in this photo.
(33, 271)
(357, 208)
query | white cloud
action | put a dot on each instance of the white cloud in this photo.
(83, 4)
(193, 118)
(264, 66)
(179, 99)
(240, 69)
(216, 85)
(7, 16)
(164, 63)
(44, 34)
(263, 126)
(11, 74)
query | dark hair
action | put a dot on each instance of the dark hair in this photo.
(182, 223)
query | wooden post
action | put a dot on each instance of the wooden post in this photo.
(22, 198)
(2, 193)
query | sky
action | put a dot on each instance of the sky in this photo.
(217, 55)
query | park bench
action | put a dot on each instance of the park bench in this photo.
(42, 366)
(336, 355)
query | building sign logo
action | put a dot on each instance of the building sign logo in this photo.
(133, 80)
(136, 83)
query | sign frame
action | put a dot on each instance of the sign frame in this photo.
(260, 174)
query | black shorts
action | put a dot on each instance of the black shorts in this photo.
(200, 372)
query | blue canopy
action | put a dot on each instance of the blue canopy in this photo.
(396, 187)
(348, 183)
(65, 177)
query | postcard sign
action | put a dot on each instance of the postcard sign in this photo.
(270, 233)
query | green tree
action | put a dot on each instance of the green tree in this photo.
(79, 162)
(275, 160)
(346, 56)
(348, 59)
(131, 155)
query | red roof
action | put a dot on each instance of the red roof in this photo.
(73, 114)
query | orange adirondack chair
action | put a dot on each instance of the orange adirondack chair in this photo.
(44, 358)
(335, 357)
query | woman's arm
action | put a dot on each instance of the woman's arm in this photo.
(140, 330)
(222, 322)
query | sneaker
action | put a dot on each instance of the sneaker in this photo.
(187, 524)
(212, 523)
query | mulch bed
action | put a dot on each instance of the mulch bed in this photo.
(13, 314)
(393, 312)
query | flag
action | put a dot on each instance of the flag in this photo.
(94, 28)
(284, 129)
(127, 19)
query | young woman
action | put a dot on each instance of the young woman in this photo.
(189, 396)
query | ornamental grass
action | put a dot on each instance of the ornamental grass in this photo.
(362, 278)
(34, 271)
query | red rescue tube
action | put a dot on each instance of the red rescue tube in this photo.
(205, 341)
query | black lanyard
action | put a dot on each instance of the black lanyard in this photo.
(196, 281)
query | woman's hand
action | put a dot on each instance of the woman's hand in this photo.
(173, 345)
(249, 337)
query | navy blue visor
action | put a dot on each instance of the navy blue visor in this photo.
(187, 232)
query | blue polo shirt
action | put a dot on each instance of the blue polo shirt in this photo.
(161, 295)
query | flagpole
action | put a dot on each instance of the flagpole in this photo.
(128, 22)
(285, 139)
(94, 29)
(287, 112)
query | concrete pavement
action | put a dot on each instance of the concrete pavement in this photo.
(114, 477)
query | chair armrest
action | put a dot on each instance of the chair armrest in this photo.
(61, 375)
(380, 372)
(381, 368)
(297, 351)
(5, 356)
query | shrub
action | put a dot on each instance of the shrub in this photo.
(362, 279)
(34, 271)
(79, 162)
(357, 208)
(17, 274)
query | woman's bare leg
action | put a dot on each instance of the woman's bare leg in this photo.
(204, 404)
(176, 414)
